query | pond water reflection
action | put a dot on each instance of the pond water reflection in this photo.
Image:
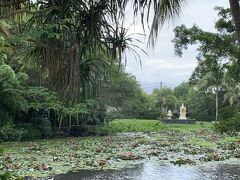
(160, 171)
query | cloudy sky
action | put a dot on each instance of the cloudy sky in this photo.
(161, 64)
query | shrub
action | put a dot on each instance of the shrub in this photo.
(81, 130)
(45, 128)
(5, 176)
(230, 125)
(150, 114)
(112, 113)
(9, 133)
(30, 132)
(41, 129)
(4, 117)
(200, 115)
(228, 112)
(102, 130)
(1, 151)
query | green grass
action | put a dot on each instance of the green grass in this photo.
(201, 142)
(231, 139)
(190, 127)
(137, 125)
(1, 150)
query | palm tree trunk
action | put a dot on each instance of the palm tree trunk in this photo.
(60, 123)
(77, 120)
(70, 123)
(216, 118)
(235, 9)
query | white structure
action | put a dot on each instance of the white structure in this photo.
(169, 114)
(183, 111)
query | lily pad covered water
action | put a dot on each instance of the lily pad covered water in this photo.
(124, 150)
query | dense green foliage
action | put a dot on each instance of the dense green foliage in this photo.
(229, 125)
(200, 105)
(81, 84)
(51, 69)
(123, 96)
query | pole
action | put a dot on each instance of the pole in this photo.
(216, 103)
(160, 85)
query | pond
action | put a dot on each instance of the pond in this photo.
(202, 154)
(156, 171)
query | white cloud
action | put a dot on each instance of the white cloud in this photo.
(169, 64)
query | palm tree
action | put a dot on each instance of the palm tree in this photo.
(66, 37)
(208, 83)
(164, 99)
(209, 79)
(162, 9)
(232, 94)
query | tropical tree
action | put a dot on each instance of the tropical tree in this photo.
(162, 9)
(232, 94)
(11, 91)
(218, 53)
(208, 76)
(164, 99)
(123, 93)
(200, 105)
(181, 91)
(66, 38)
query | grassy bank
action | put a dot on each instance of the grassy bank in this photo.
(137, 125)
(134, 125)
